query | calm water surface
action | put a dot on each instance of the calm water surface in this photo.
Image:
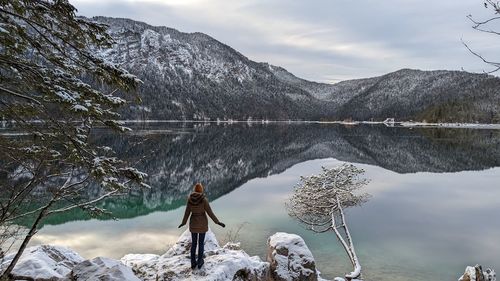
(434, 208)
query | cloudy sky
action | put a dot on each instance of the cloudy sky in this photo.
(325, 40)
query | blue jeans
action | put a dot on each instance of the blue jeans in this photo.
(197, 239)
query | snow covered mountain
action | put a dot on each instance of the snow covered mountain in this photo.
(435, 96)
(193, 76)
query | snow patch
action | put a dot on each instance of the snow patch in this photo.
(221, 263)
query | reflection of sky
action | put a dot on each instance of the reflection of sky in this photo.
(420, 226)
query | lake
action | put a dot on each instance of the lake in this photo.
(434, 206)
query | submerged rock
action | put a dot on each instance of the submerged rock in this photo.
(44, 262)
(221, 263)
(290, 258)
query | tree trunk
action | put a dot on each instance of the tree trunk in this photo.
(7, 273)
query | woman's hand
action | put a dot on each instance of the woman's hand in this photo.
(221, 224)
(181, 225)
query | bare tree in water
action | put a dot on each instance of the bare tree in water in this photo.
(319, 201)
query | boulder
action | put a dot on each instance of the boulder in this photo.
(490, 275)
(102, 269)
(47, 263)
(476, 273)
(221, 263)
(290, 258)
(44, 262)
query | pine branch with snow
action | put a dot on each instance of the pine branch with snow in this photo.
(56, 88)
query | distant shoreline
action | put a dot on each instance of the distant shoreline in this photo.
(399, 124)
(406, 124)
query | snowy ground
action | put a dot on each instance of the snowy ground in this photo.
(451, 125)
(289, 259)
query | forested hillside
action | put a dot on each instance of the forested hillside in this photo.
(192, 76)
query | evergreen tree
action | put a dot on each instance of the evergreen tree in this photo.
(54, 89)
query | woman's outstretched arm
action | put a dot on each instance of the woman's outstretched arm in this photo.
(187, 212)
(210, 213)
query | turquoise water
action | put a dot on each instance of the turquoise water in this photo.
(434, 206)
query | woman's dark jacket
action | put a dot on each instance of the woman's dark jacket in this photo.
(197, 205)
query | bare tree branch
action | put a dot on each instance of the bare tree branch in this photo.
(18, 95)
(481, 26)
(80, 205)
(495, 64)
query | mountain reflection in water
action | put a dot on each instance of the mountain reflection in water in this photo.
(223, 157)
(430, 189)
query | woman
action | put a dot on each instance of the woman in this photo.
(197, 206)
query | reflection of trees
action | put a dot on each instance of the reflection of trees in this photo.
(224, 157)
(318, 202)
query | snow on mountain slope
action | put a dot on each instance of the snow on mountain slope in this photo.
(320, 91)
(436, 96)
(193, 76)
(172, 52)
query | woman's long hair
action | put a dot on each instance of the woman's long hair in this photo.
(198, 188)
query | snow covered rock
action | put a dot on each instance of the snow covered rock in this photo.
(290, 258)
(44, 262)
(47, 263)
(102, 269)
(476, 273)
(221, 263)
(490, 275)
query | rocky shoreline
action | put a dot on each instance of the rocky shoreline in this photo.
(288, 259)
